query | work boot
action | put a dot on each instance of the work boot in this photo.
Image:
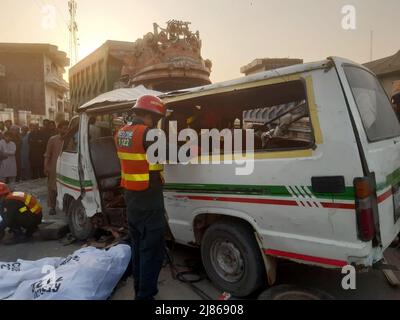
(52, 212)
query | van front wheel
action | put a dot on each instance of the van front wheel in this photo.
(79, 223)
(232, 258)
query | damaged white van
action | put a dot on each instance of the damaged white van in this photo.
(324, 189)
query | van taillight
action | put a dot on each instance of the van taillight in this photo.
(364, 208)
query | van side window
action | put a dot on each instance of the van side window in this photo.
(376, 112)
(99, 127)
(71, 140)
(277, 113)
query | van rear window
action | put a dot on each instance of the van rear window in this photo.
(377, 115)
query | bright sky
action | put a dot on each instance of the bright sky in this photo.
(234, 32)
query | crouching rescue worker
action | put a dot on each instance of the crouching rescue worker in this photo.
(144, 199)
(20, 212)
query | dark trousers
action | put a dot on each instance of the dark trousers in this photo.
(37, 171)
(18, 222)
(3, 227)
(147, 230)
(18, 163)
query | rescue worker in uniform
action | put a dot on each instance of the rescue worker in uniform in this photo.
(144, 199)
(20, 212)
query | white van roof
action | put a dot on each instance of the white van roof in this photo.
(275, 73)
(118, 96)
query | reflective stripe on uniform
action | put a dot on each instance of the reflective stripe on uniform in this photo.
(156, 167)
(135, 177)
(36, 208)
(139, 157)
(28, 199)
(131, 156)
(23, 209)
(18, 194)
(135, 168)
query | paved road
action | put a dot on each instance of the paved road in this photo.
(371, 285)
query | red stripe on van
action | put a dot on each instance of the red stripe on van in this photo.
(331, 205)
(384, 196)
(266, 201)
(296, 256)
(242, 200)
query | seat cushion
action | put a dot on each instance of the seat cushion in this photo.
(105, 162)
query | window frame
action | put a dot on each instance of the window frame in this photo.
(348, 65)
(312, 144)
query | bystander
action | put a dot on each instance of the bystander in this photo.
(53, 150)
(8, 167)
(37, 146)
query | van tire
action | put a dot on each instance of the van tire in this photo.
(232, 258)
(79, 224)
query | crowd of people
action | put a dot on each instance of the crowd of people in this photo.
(31, 153)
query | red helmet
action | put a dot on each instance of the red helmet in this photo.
(4, 189)
(150, 103)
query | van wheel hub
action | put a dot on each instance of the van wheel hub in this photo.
(79, 219)
(80, 224)
(227, 260)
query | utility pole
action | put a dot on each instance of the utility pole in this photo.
(73, 32)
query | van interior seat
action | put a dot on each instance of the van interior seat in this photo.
(105, 162)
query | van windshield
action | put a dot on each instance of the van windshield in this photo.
(378, 117)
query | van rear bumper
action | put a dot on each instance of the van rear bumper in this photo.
(326, 255)
(362, 262)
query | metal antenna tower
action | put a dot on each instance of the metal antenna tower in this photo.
(73, 32)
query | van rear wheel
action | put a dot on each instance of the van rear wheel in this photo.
(79, 223)
(232, 258)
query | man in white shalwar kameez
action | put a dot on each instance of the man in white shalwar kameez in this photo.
(8, 166)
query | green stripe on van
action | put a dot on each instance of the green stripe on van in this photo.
(393, 178)
(348, 194)
(274, 191)
(280, 191)
(73, 182)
